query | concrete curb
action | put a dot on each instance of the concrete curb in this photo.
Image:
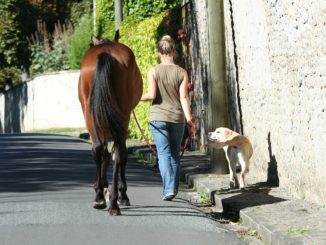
(277, 216)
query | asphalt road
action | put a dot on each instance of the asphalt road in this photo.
(46, 194)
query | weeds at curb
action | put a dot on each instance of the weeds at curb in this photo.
(296, 231)
(204, 198)
(244, 233)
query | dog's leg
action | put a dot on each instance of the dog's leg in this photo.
(242, 180)
(244, 169)
(231, 156)
(234, 183)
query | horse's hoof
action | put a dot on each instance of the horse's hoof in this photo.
(114, 212)
(124, 202)
(99, 205)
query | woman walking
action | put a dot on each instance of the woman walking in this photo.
(170, 109)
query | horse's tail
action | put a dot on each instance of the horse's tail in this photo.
(107, 120)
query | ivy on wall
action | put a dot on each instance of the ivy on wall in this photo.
(141, 9)
(147, 8)
(104, 18)
(142, 37)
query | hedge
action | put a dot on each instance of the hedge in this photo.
(142, 36)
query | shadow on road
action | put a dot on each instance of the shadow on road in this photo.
(44, 162)
(140, 210)
(255, 195)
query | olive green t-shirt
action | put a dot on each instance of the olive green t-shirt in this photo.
(167, 106)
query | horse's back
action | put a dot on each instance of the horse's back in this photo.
(126, 77)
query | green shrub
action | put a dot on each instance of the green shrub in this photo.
(13, 52)
(78, 9)
(49, 52)
(47, 60)
(9, 76)
(80, 41)
(12, 42)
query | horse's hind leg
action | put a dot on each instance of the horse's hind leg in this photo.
(117, 154)
(123, 198)
(99, 201)
(105, 163)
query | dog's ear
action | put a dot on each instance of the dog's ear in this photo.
(230, 136)
(228, 133)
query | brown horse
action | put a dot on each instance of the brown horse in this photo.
(110, 87)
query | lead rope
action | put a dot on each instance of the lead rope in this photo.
(147, 141)
(144, 136)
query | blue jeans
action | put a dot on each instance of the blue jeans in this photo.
(168, 137)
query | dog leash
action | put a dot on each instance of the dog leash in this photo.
(184, 147)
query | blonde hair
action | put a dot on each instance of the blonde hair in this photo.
(166, 45)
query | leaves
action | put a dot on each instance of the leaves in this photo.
(147, 8)
(12, 46)
(80, 42)
(9, 76)
(19, 20)
(10, 35)
(49, 52)
(140, 36)
(104, 17)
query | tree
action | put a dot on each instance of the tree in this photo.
(13, 52)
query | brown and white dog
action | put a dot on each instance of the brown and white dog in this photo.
(238, 149)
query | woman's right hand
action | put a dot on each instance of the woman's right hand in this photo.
(191, 124)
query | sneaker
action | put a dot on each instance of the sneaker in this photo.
(168, 197)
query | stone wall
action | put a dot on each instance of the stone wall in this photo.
(47, 101)
(276, 59)
(197, 34)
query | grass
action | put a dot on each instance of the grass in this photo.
(293, 231)
(252, 232)
(302, 196)
(248, 234)
(240, 221)
(57, 130)
(218, 193)
(204, 198)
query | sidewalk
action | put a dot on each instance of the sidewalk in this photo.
(271, 211)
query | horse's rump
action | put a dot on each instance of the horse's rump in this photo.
(110, 88)
(107, 119)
